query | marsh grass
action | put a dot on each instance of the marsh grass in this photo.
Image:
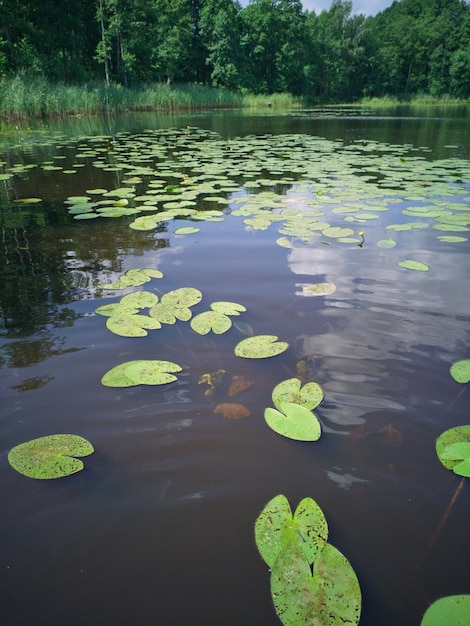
(32, 97)
(411, 99)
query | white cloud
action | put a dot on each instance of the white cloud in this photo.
(367, 7)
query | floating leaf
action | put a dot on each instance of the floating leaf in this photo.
(228, 308)
(295, 422)
(276, 526)
(144, 372)
(211, 320)
(232, 410)
(315, 289)
(139, 299)
(386, 243)
(132, 325)
(459, 452)
(460, 371)
(447, 439)
(184, 296)
(331, 597)
(448, 611)
(186, 230)
(413, 265)
(260, 347)
(50, 457)
(290, 390)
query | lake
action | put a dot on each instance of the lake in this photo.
(257, 209)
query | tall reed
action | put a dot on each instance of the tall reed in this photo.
(27, 97)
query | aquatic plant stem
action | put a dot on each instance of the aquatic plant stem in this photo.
(439, 528)
(454, 401)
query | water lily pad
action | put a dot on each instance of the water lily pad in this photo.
(276, 526)
(315, 289)
(331, 597)
(460, 453)
(309, 396)
(413, 265)
(218, 322)
(50, 457)
(447, 439)
(460, 371)
(448, 611)
(132, 325)
(228, 308)
(294, 422)
(386, 243)
(184, 296)
(144, 372)
(260, 347)
(186, 230)
(139, 299)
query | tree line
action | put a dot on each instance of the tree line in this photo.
(414, 46)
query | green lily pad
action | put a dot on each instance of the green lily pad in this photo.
(386, 243)
(132, 325)
(139, 299)
(116, 310)
(295, 422)
(186, 230)
(336, 231)
(276, 526)
(459, 452)
(316, 289)
(309, 396)
(414, 265)
(447, 439)
(228, 308)
(216, 321)
(448, 611)
(451, 239)
(50, 457)
(145, 372)
(260, 347)
(331, 597)
(460, 371)
(184, 296)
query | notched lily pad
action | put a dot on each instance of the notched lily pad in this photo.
(309, 396)
(144, 372)
(449, 455)
(211, 320)
(53, 456)
(448, 611)
(331, 597)
(460, 371)
(408, 264)
(260, 347)
(293, 421)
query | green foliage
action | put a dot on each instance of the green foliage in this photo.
(291, 544)
(267, 47)
(293, 421)
(448, 611)
(453, 449)
(143, 372)
(460, 371)
(53, 456)
(260, 347)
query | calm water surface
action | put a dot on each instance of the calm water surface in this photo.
(158, 528)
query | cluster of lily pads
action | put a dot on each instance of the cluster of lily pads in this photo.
(453, 451)
(308, 187)
(312, 582)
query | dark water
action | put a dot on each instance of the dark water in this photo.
(158, 528)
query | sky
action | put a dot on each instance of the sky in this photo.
(367, 7)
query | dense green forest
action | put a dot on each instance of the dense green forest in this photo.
(270, 46)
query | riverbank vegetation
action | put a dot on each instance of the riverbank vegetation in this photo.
(82, 56)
